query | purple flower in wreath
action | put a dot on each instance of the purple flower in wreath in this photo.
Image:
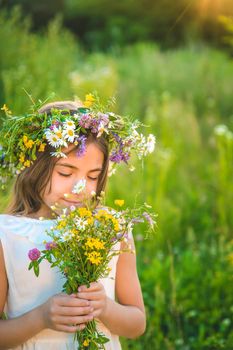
(103, 118)
(85, 121)
(117, 138)
(95, 126)
(54, 125)
(119, 156)
(81, 146)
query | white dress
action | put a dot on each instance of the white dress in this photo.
(26, 291)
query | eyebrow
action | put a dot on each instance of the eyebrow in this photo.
(74, 167)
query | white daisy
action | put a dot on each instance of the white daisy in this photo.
(81, 223)
(69, 134)
(58, 154)
(55, 137)
(65, 236)
(69, 124)
(79, 186)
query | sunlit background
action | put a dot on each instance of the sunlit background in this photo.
(168, 63)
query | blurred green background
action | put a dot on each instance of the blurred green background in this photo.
(170, 65)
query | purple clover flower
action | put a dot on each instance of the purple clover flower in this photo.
(85, 121)
(34, 254)
(95, 126)
(50, 245)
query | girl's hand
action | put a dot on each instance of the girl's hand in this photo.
(66, 313)
(96, 295)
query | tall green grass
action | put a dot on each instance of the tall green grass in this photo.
(185, 96)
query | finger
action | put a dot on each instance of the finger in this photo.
(73, 320)
(90, 296)
(72, 301)
(94, 286)
(71, 328)
(96, 304)
(75, 311)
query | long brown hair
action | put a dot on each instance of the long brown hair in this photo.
(30, 184)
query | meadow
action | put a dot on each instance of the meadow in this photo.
(184, 95)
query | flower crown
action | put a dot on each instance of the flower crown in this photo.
(23, 137)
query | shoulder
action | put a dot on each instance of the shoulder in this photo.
(20, 226)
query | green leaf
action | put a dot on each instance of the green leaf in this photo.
(34, 152)
(83, 110)
(102, 340)
(36, 268)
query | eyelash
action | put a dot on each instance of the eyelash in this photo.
(67, 175)
(93, 178)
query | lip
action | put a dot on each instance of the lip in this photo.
(74, 203)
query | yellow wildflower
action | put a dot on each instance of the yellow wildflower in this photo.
(6, 109)
(61, 224)
(119, 202)
(94, 257)
(29, 144)
(21, 158)
(116, 224)
(90, 221)
(89, 99)
(95, 243)
(102, 214)
(25, 139)
(75, 232)
(84, 212)
(42, 147)
(86, 342)
(27, 163)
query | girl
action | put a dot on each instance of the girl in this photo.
(39, 316)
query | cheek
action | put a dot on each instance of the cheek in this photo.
(57, 186)
(91, 186)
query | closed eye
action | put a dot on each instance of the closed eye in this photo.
(92, 178)
(65, 175)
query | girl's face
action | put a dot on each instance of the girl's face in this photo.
(66, 173)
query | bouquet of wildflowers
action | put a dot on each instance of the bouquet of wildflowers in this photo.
(83, 241)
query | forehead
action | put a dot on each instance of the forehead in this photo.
(91, 159)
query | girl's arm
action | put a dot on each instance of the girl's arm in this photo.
(127, 316)
(60, 313)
